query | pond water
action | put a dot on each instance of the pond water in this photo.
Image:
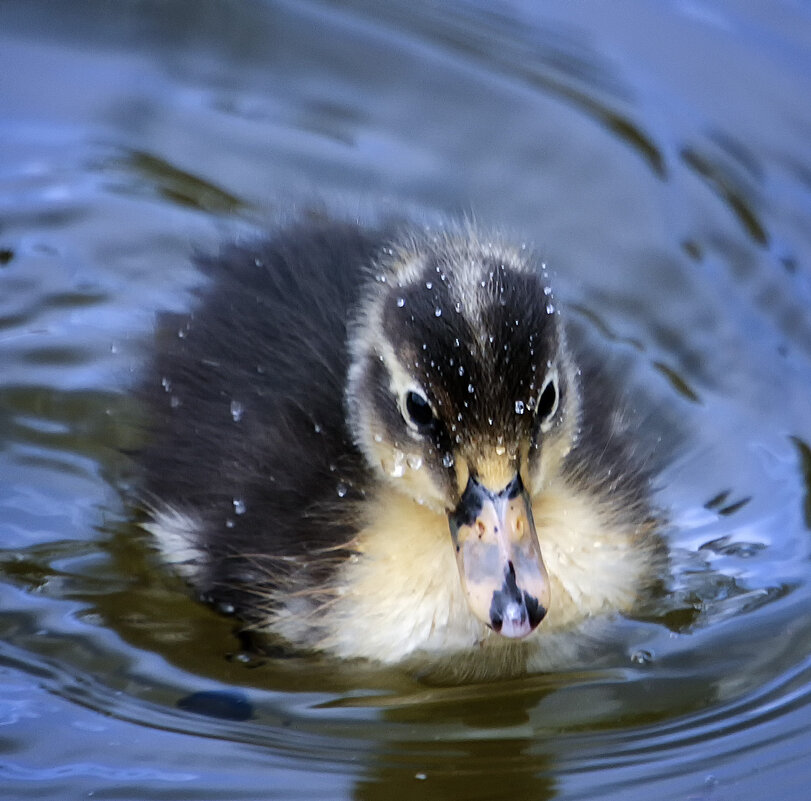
(659, 156)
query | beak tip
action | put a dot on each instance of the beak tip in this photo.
(516, 619)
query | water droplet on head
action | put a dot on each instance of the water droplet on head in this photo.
(519, 407)
(437, 312)
(174, 402)
(239, 506)
(447, 460)
(500, 450)
(400, 302)
(429, 285)
(341, 489)
(550, 309)
(461, 370)
(166, 384)
(237, 410)
(471, 389)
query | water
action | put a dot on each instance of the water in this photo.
(658, 154)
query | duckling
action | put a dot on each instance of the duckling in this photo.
(377, 443)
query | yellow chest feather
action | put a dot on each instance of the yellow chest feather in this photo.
(401, 596)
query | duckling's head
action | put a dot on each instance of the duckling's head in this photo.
(462, 394)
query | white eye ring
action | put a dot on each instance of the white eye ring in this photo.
(553, 402)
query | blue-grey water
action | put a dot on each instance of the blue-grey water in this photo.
(657, 154)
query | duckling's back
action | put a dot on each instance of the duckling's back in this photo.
(249, 465)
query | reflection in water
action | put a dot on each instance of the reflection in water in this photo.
(660, 158)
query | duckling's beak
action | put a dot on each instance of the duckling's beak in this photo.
(499, 558)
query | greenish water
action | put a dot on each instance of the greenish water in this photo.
(658, 155)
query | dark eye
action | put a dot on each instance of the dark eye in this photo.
(548, 401)
(418, 410)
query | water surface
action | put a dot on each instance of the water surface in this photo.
(657, 154)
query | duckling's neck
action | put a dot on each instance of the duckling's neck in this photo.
(401, 595)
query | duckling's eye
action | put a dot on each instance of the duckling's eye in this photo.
(418, 410)
(548, 403)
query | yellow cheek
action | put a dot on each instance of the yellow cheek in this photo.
(406, 470)
(462, 475)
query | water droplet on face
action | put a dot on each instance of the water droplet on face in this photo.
(398, 465)
(239, 506)
(458, 438)
(447, 460)
(471, 389)
(519, 407)
(237, 410)
(500, 450)
(550, 309)
(166, 384)
(316, 428)
(461, 370)
(547, 290)
(458, 306)
(400, 302)
(437, 312)
(378, 438)
(429, 285)
(414, 461)
(341, 489)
